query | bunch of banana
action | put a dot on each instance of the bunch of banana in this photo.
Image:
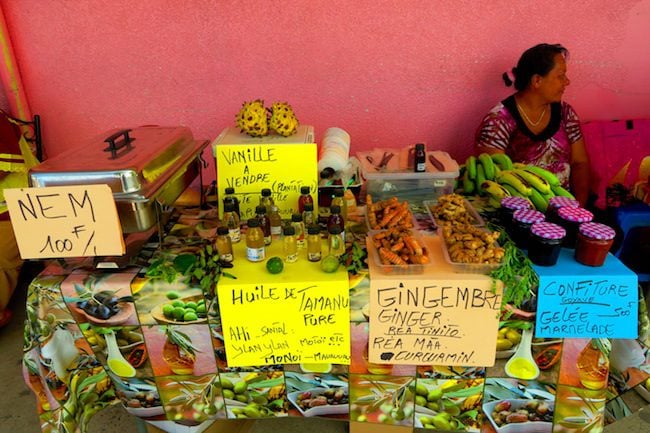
(496, 176)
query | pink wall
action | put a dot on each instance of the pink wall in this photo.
(391, 72)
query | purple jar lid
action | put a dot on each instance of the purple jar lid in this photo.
(597, 231)
(528, 216)
(560, 201)
(514, 202)
(575, 214)
(548, 230)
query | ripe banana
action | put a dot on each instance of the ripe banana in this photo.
(494, 189)
(558, 190)
(511, 190)
(502, 160)
(539, 201)
(488, 165)
(551, 178)
(468, 184)
(495, 203)
(480, 178)
(509, 177)
(470, 166)
(537, 182)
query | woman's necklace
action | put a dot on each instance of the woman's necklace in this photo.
(541, 116)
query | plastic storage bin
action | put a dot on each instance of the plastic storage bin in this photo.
(478, 221)
(408, 269)
(466, 268)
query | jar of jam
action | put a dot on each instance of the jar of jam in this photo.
(545, 243)
(555, 203)
(593, 244)
(570, 218)
(508, 207)
(522, 219)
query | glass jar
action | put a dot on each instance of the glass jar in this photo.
(420, 159)
(275, 220)
(224, 244)
(308, 215)
(266, 200)
(305, 197)
(255, 249)
(593, 363)
(522, 219)
(231, 221)
(230, 197)
(314, 253)
(508, 207)
(557, 202)
(545, 243)
(593, 244)
(570, 218)
(338, 200)
(299, 227)
(265, 223)
(335, 241)
(336, 219)
(289, 245)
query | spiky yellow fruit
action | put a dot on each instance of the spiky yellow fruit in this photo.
(283, 120)
(252, 118)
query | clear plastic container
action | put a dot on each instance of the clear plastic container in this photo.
(466, 268)
(478, 221)
(407, 269)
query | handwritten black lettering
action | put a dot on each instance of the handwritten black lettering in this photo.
(259, 293)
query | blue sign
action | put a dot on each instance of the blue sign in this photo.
(578, 301)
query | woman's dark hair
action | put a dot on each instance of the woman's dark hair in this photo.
(539, 60)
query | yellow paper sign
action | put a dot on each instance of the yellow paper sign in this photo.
(301, 315)
(283, 164)
(65, 221)
(433, 322)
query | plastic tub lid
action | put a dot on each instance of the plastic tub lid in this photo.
(597, 231)
(547, 230)
(561, 201)
(575, 214)
(514, 202)
(528, 216)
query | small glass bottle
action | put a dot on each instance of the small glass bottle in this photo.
(305, 197)
(231, 221)
(275, 220)
(290, 245)
(308, 217)
(230, 197)
(593, 244)
(265, 223)
(570, 218)
(299, 227)
(545, 243)
(339, 201)
(593, 363)
(224, 244)
(313, 243)
(420, 159)
(266, 200)
(335, 241)
(522, 220)
(350, 202)
(255, 250)
(335, 219)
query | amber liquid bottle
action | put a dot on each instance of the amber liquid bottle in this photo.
(304, 198)
(265, 224)
(255, 249)
(593, 364)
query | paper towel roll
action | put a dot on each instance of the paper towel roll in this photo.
(335, 149)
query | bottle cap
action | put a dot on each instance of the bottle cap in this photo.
(334, 230)
(548, 230)
(260, 209)
(253, 222)
(528, 216)
(514, 202)
(230, 190)
(419, 146)
(304, 190)
(575, 214)
(222, 230)
(335, 209)
(313, 230)
(228, 207)
(296, 217)
(597, 231)
(289, 231)
(266, 192)
(309, 206)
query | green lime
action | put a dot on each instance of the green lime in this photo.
(200, 309)
(172, 295)
(179, 312)
(192, 305)
(274, 265)
(189, 316)
(168, 310)
(178, 303)
(329, 264)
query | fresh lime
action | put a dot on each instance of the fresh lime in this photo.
(200, 309)
(192, 305)
(178, 303)
(172, 295)
(189, 316)
(329, 264)
(168, 310)
(274, 265)
(179, 312)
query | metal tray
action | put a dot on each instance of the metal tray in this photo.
(142, 166)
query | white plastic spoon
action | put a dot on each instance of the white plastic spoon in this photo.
(115, 360)
(522, 365)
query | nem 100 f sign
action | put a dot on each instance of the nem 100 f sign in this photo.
(65, 221)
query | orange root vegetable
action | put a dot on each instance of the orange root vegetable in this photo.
(397, 246)
(390, 257)
(413, 244)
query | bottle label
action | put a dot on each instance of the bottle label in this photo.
(276, 230)
(267, 240)
(226, 257)
(300, 241)
(420, 167)
(291, 258)
(235, 234)
(313, 257)
(255, 254)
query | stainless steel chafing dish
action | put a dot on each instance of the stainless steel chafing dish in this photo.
(145, 167)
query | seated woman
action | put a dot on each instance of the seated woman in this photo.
(534, 126)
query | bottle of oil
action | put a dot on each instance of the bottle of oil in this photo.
(304, 198)
(336, 219)
(308, 214)
(339, 201)
(313, 243)
(230, 197)
(224, 244)
(265, 223)
(231, 221)
(335, 241)
(255, 250)
(593, 363)
(275, 220)
(420, 159)
(299, 227)
(266, 200)
(289, 245)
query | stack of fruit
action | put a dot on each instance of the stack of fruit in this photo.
(496, 176)
(255, 120)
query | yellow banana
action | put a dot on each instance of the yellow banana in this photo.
(534, 180)
(494, 189)
(558, 190)
(551, 178)
(509, 177)
(511, 190)
(539, 201)
(502, 160)
(488, 165)
(470, 166)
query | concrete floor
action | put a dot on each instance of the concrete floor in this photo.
(18, 412)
